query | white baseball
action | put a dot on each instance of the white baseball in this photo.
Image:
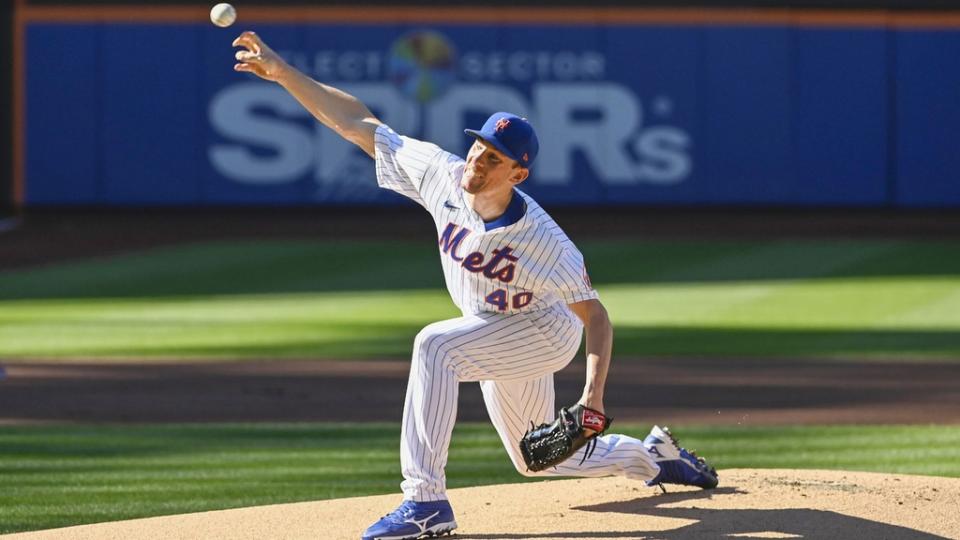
(223, 15)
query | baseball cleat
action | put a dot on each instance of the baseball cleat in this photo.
(677, 465)
(412, 520)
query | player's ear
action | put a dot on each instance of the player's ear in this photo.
(520, 175)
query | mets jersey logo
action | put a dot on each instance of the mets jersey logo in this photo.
(477, 262)
(502, 124)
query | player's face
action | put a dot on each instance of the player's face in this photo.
(488, 168)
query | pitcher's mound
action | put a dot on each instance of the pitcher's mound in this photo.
(749, 503)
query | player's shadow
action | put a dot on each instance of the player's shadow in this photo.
(803, 523)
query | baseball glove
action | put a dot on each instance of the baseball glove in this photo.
(547, 445)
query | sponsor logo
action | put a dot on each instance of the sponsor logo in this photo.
(421, 523)
(590, 123)
(422, 65)
(592, 420)
(652, 450)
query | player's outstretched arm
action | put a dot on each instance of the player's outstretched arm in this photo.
(336, 109)
(599, 335)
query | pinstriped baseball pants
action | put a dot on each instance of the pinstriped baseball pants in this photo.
(513, 356)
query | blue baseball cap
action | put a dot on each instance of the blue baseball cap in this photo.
(510, 134)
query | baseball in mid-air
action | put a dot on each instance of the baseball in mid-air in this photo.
(223, 15)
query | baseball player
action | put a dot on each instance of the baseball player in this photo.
(523, 290)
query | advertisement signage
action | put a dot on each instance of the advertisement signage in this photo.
(684, 114)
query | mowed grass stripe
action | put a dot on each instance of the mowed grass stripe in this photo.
(275, 266)
(829, 303)
(245, 267)
(716, 320)
(848, 298)
(67, 475)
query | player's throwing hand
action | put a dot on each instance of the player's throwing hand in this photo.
(258, 58)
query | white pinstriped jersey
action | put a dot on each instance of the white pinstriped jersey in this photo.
(524, 266)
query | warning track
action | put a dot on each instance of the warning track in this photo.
(711, 391)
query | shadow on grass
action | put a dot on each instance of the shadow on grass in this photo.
(76, 442)
(378, 340)
(761, 342)
(274, 267)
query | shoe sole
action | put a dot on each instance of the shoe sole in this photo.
(440, 529)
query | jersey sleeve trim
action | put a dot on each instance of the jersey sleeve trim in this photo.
(402, 163)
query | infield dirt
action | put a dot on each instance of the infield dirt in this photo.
(748, 504)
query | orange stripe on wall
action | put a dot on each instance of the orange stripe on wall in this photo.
(116, 14)
(507, 16)
(927, 20)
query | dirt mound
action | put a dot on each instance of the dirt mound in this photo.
(748, 504)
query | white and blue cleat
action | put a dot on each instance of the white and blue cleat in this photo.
(677, 465)
(412, 520)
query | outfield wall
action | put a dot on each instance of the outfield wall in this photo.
(683, 107)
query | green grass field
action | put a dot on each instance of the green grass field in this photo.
(896, 300)
(68, 475)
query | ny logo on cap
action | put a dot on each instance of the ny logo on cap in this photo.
(502, 124)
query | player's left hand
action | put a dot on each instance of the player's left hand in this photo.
(547, 445)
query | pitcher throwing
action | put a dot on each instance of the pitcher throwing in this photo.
(524, 293)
